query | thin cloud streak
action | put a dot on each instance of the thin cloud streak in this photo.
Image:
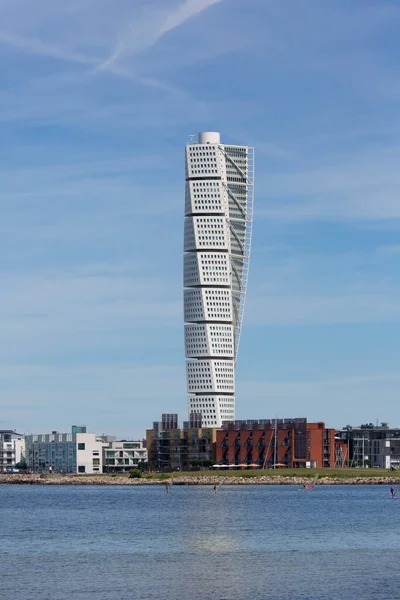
(40, 48)
(145, 33)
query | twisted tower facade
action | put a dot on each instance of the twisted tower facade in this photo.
(218, 221)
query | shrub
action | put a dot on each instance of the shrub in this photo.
(135, 474)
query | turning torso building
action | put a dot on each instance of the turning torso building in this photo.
(218, 220)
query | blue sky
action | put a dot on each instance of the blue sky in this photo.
(97, 100)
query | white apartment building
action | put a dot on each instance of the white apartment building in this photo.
(75, 452)
(123, 455)
(218, 222)
(12, 449)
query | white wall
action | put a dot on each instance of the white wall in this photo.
(90, 455)
(19, 450)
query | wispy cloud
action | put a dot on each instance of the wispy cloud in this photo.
(33, 45)
(143, 33)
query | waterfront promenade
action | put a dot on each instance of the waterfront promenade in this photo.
(327, 477)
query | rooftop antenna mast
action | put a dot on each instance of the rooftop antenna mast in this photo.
(192, 138)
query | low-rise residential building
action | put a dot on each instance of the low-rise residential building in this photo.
(123, 455)
(171, 448)
(12, 450)
(372, 445)
(271, 443)
(75, 452)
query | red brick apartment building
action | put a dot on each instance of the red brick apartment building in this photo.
(282, 442)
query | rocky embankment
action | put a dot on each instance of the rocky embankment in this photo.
(35, 479)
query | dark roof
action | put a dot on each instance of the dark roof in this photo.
(10, 431)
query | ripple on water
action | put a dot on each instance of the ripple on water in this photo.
(270, 542)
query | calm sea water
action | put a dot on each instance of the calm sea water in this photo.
(125, 543)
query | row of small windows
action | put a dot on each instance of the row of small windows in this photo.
(207, 232)
(221, 345)
(203, 206)
(204, 160)
(237, 179)
(200, 366)
(207, 242)
(210, 265)
(217, 293)
(208, 386)
(210, 256)
(241, 150)
(215, 271)
(199, 329)
(213, 262)
(202, 151)
(207, 184)
(224, 280)
(221, 328)
(193, 350)
(218, 220)
(211, 299)
(196, 306)
(198, 310)
(216, 343)
(210, 205)
(196, 348)
(218, 269)
(201, 382)
(212, 401)
(202, 171)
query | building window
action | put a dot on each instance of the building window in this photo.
(81, 469)
(81, 446)
(96, 461)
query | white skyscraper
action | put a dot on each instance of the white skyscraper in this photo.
(218, 220)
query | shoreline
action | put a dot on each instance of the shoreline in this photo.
(192, 480)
